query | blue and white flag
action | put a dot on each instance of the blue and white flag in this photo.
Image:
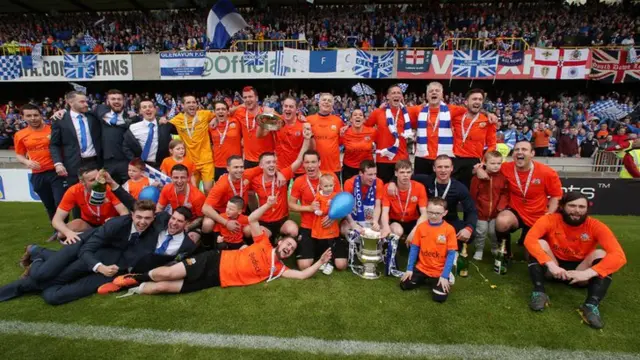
(90, 41)
(174, 110)
(10, 67)
(474, 63)
(160, 100)
(80, 66)
(156, 175)
(254, 58)
(610, 110)
(279, 68)
(632, 56)
(181, 64)
(36, 56)
(223, 22)
(373, 66)
(79, 88)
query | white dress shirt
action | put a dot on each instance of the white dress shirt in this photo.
(174, 244)
(140, 131)
(108, 116)
(90, 151)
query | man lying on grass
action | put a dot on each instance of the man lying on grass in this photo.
(563, 247)
(248, 266)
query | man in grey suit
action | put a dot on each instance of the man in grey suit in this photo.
(148, 139)
(114, 122)
(75, 139)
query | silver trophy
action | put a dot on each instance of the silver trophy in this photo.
(367, 249)
(269, 122)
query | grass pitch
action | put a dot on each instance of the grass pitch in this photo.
(337, 307)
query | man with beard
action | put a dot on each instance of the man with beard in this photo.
(147, 139)
(443, 186)
(254, 144)
(563, 247)
(251, 265)
(289, 138)
(394, 122)
(304, 190)
(473, 134)
(32, 150)
(530, 185)
(193, 127)
(226, 138)
(276, 220)
(326, 135)
(181, 193)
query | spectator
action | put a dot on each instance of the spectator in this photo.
(589, 146)
(568, 144)
(541, 140)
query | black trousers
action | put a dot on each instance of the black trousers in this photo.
(50, 188)
(422, 166)
(418, 279)
(386, 171)
(118, 169)
(463, 169)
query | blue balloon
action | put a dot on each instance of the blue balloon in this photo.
(150, 193)
(341, 206)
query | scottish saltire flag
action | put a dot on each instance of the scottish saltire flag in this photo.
(80, 66)
(254, 58)
(474, 63)
(373, 66)
(156, 175)
(223, 22)
(181, 64)
(160, 100)
(279, 68)
(90, 41)
(10, 67)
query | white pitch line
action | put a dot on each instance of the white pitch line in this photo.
(298, 344)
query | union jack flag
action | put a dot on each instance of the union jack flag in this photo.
(613, 66)
(254, 58)
(474, 63)
(372, 66)
(79, 66)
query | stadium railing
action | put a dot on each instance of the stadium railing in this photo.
(269, 45)
(606, 161)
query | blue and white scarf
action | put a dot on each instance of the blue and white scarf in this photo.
(363, 208)
(392, 124)
(442, 129)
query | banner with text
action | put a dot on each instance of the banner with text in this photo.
(79, 68)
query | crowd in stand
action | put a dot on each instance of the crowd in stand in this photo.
(559, 126)
(550, 24)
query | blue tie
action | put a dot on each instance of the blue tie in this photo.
(134, 237)
(114, 119)
(83, 134)
(147, 144)
(165, 245)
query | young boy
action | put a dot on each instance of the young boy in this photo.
(434, 248)
(137, 181)
(329, 237)
(491, 196)
(227, 239)
(177, 151)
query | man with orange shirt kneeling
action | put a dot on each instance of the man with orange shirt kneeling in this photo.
(563, 247)
(251, 265)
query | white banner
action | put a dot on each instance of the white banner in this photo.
(15, 185)
(107, 68)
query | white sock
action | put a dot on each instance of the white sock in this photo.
(151, 274)
(140, 288)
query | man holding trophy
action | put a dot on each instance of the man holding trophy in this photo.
(256, 122)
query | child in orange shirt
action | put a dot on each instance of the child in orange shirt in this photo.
(232, 240)
(177, 151)
(327, 237)
(137, 181)
(434, 248)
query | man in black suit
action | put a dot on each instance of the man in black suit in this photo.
(128, 243)
(114, 122)
(148, 139)
(75, 139)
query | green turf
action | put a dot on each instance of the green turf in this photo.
(338, 307)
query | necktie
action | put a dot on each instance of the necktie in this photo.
(134, 237)
(147, 144)
(114, 119)
(165, 245)
(83, 134)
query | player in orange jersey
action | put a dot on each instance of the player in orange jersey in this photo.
(473, 135)
(226, 137)
(32, 150)
(326, 135)
(530, 184)
(564, 246)
(180, 192)
(359, 143)
(254, 145)
(290, 137)
(254, 264)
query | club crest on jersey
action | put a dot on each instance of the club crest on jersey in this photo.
(441, 239)
(536, 181)
(483, 125)
(584, 237)
(367, 138)
(232, 125)
(298, 133)
(333, 127)
(414, 199)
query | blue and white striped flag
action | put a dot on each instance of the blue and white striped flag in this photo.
(156, 175)
(90, 41)
(610, 110)
(173, 111)
(160, 100)
(280, 69)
